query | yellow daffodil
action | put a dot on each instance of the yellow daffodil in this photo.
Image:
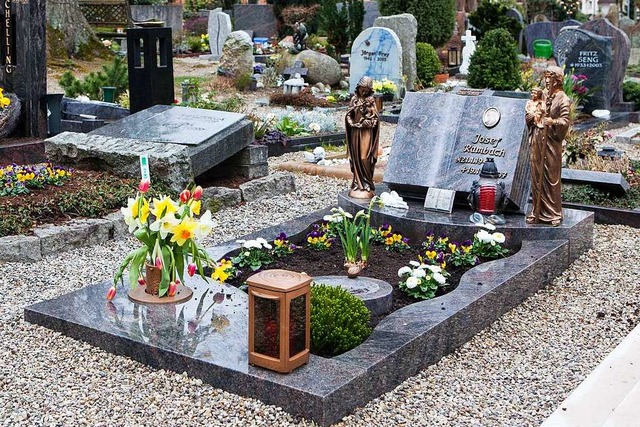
(205, 225)
(164, 224)
(130, 213)
(184, 231)
(195, 207)
(163, 206)
(144, 210)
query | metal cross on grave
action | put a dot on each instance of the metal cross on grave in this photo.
(298, 67)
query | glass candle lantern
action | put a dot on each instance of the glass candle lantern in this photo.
(487, 195)
(279, 314)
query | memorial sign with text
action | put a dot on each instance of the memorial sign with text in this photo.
(442, 140)
(376, 53)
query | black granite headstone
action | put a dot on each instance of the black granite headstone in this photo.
(621, 51)
(150, 63)
(583, 52)
(545, 30)
(258, 18)
(442, 140)
(23, 68)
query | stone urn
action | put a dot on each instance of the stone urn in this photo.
(9, 116)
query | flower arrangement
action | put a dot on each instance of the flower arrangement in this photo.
(204, 42)
(18, 179)
(574, 87)
(421, 280)
(384, 86)
(4, 101)
(168, 230)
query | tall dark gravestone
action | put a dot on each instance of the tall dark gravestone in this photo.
(23, 66)
(443, 139)
(583, 52)
(150, 67)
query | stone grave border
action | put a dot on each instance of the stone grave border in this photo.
(609, 216)
(308, 142)
(404, 343)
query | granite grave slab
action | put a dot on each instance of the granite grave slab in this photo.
(376, 53)
(583, 52)
(206, 336)
(219, 28)
(621, 51)
(545, 30)
(441, 141)
(613, 182)
(211, 136)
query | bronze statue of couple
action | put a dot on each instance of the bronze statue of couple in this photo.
(547, 118)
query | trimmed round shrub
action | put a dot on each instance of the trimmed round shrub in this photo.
(339, 320)
(495, 64)
(436, 18)
(631, 92)
(427, 63)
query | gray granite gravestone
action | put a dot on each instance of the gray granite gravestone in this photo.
(405, 26)
(621, 50)
(583, 52)
(211, 136)
(545, 30)
(515, 13)
(376, 53)
(442, 141)
(219, 29)
(258, 18)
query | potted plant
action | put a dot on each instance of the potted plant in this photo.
(441, 77)
(386, 88)
(168, 231)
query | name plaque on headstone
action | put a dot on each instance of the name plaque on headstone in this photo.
(442, 141)
(176, 125)
(7, 36)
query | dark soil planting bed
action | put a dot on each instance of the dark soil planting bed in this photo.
(211, 343)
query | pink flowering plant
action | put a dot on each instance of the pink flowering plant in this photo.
(574, 87)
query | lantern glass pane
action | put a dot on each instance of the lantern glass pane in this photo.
(297, 325)
(266, 335)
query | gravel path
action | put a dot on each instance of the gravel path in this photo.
(512, 374)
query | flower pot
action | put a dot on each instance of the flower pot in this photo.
(153, 277)
(441, 78)
(378, 99)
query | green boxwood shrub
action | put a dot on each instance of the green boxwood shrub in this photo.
(492, 15)
(339, 320)
(631, 92)
(436, 18)
(427, 63)
(495, 64)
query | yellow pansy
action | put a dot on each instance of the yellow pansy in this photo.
(184, 231)
(220, 272)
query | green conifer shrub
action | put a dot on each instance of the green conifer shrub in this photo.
(427, 63)
(436, 18)
(495, 64)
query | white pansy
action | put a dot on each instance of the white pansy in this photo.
(438, 277)
(418, 272)
(412, 282)
(404, 270)
(498, 237)
(414, 263)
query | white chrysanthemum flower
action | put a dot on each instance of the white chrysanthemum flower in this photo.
(439, 278)
(484, 236)
(434, 268)
(404, 270)
(412, 282)
(498, 237)
(419, 273)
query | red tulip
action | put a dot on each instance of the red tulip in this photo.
(178, 281)
(141, 281)
(158, 263)
(191, 269)
(111, 293)
(185, 196)
(197, 193)
(173, 288)
(144, 185)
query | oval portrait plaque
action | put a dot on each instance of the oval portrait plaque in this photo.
(491, 117)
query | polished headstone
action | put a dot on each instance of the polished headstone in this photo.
(442, 142)
(376, 53)
(219, 29)
(621, 50)
(376, 294)
(258, 18)
(211, 136)
(583, 52)
(545, 30)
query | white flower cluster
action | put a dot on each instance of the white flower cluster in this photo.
(419, 272)
(492, 238)
(258, 243)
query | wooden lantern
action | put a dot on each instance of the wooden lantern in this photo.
(279, 312)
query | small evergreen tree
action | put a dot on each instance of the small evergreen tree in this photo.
(495, 64)
(492, 15)
(355, 10)
(114, 75)
(427, 63)
(436, 18)
(335, 24)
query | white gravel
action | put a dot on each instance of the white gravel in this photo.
(512, 374)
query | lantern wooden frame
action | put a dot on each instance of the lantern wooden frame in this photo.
(280, 286)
